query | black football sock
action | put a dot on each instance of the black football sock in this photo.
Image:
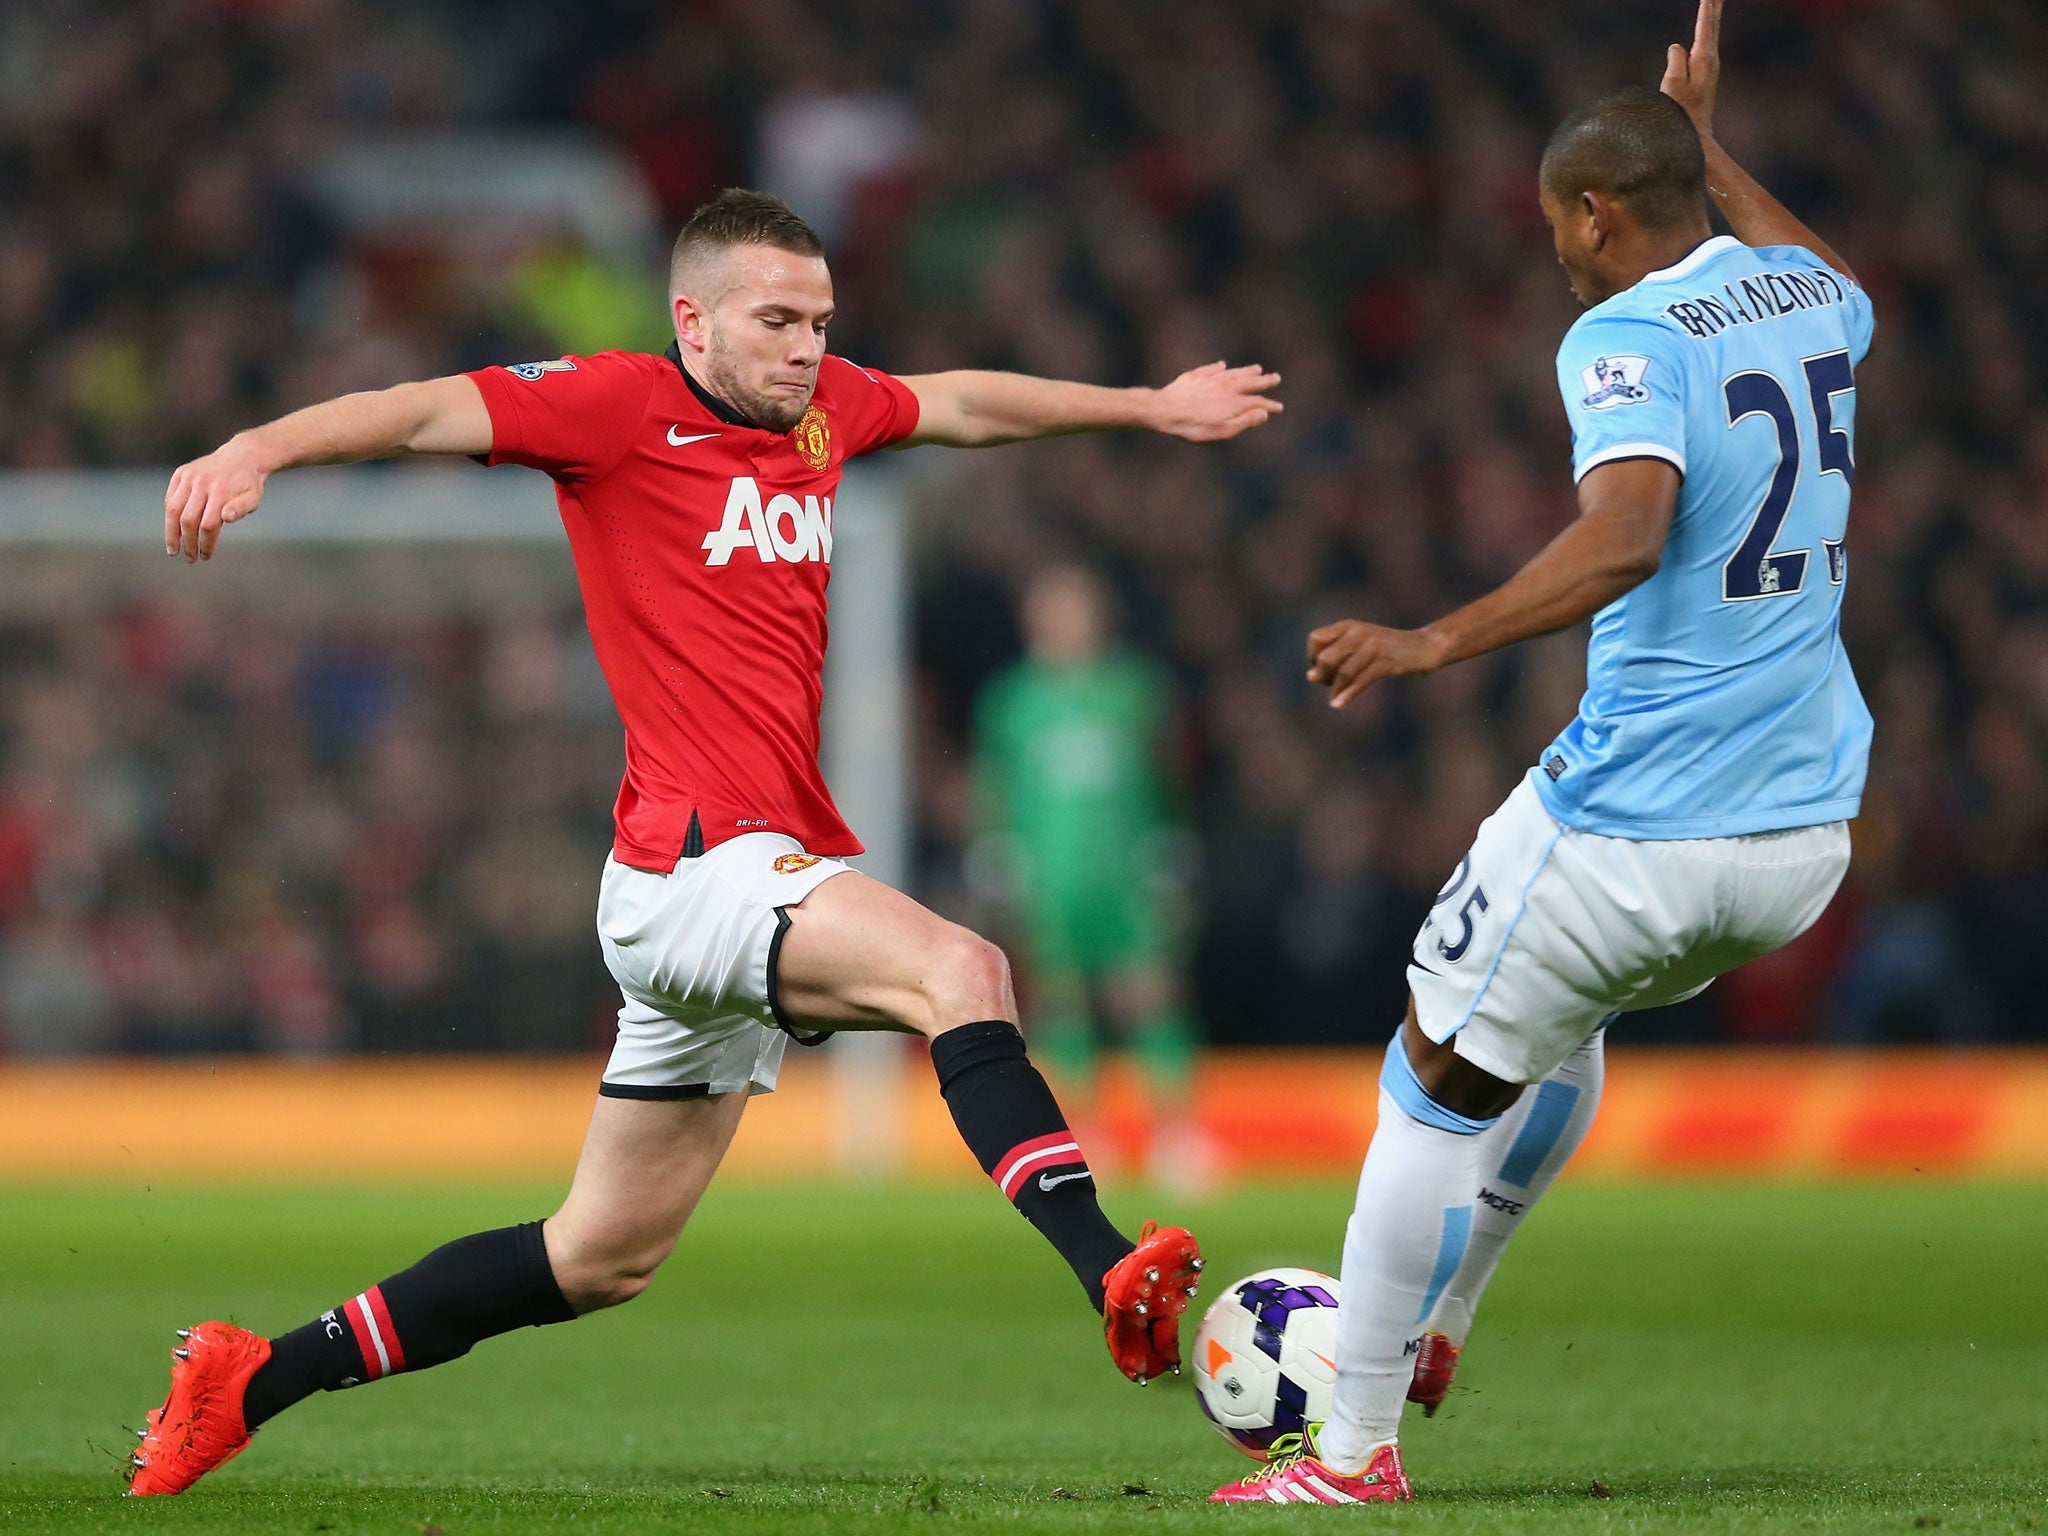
(1013, 1126)
(484, 1284)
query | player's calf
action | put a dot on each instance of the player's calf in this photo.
(1405, 1239)
(1009, 1119)
(858, 954)
(460, 1294)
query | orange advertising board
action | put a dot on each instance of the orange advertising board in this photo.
(1278, 1114)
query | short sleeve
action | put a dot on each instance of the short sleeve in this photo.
(875, 409)
(1623, 384)
(573, 417)
(1859, 318)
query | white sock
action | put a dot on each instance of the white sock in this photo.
(1406, 1238)
(1519, 1159)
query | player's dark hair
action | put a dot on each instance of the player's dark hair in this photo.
(1636, 145)
(740, 216)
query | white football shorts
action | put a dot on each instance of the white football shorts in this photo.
(1545, 931)
(694, 953)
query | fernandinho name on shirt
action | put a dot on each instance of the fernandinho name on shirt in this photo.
(1764, 296)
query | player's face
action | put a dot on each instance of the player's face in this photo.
(1573, 233)
(764, 334)
(1063, 618)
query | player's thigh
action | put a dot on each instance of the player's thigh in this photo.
(1538, 936)
(859, 954)
(697, 941)
(694, 954)
(1769, 889)
(645, 1164)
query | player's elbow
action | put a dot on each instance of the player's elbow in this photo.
(1638, 565)
(1635, 544)
(967, 415)
(413, 413)
(965, 429)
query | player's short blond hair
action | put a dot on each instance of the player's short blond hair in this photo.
(737, 216)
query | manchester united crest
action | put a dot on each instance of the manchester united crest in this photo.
(813, 439)
(797, 863)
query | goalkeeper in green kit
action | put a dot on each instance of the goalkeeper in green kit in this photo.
(1071, 780)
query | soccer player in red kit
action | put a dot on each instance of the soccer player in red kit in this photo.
(697, 490)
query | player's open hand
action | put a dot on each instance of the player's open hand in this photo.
(206, 495)
(1349, 656)
(1691, 76)
(1212, 403)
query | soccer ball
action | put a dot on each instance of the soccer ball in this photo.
(1266, 1357)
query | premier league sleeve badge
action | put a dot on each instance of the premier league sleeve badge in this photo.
(1615, 380)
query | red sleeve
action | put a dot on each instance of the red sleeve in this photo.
(573, 417)
(874, 408)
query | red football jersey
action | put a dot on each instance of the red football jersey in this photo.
(703, 549)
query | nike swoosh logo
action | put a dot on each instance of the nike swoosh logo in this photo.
(1054, 1180)
(677, 442)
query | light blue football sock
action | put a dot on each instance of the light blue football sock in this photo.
(1519, 1159)
(1405, 1243)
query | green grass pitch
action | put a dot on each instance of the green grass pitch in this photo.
(1724, 1359)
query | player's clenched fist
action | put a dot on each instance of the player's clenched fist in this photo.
(204, 495)
(1211, 403)
(1349, 656)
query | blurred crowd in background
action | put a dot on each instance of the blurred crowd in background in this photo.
(358, 803)
(304, 827)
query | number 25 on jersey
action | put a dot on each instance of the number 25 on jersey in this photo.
(1755, 569)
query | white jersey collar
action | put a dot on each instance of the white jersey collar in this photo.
(1698, 257)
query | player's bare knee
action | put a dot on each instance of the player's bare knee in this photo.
(621, 1286)
(592, 1283)
(1452, 1081)
(968, 980)
(594, 1275)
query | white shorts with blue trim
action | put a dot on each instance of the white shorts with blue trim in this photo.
(694, 953)
(1545, 931)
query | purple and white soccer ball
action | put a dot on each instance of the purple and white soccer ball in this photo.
(1266, 1357)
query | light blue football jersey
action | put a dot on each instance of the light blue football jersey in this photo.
(1719, 700)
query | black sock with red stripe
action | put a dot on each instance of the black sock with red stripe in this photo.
(1013, 1126)
(465, 1291)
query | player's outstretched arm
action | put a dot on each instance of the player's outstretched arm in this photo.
(434, 416)
(1691, 77)
(970, 408)
(1615, 545)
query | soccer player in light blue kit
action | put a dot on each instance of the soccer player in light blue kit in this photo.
(1694, 815)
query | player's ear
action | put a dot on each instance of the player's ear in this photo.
(1598, 213)
(690, 321)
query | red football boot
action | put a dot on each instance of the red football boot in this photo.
(1143, 1296)
(1295, 1477)
(200, 1424)
(1434, 1363)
